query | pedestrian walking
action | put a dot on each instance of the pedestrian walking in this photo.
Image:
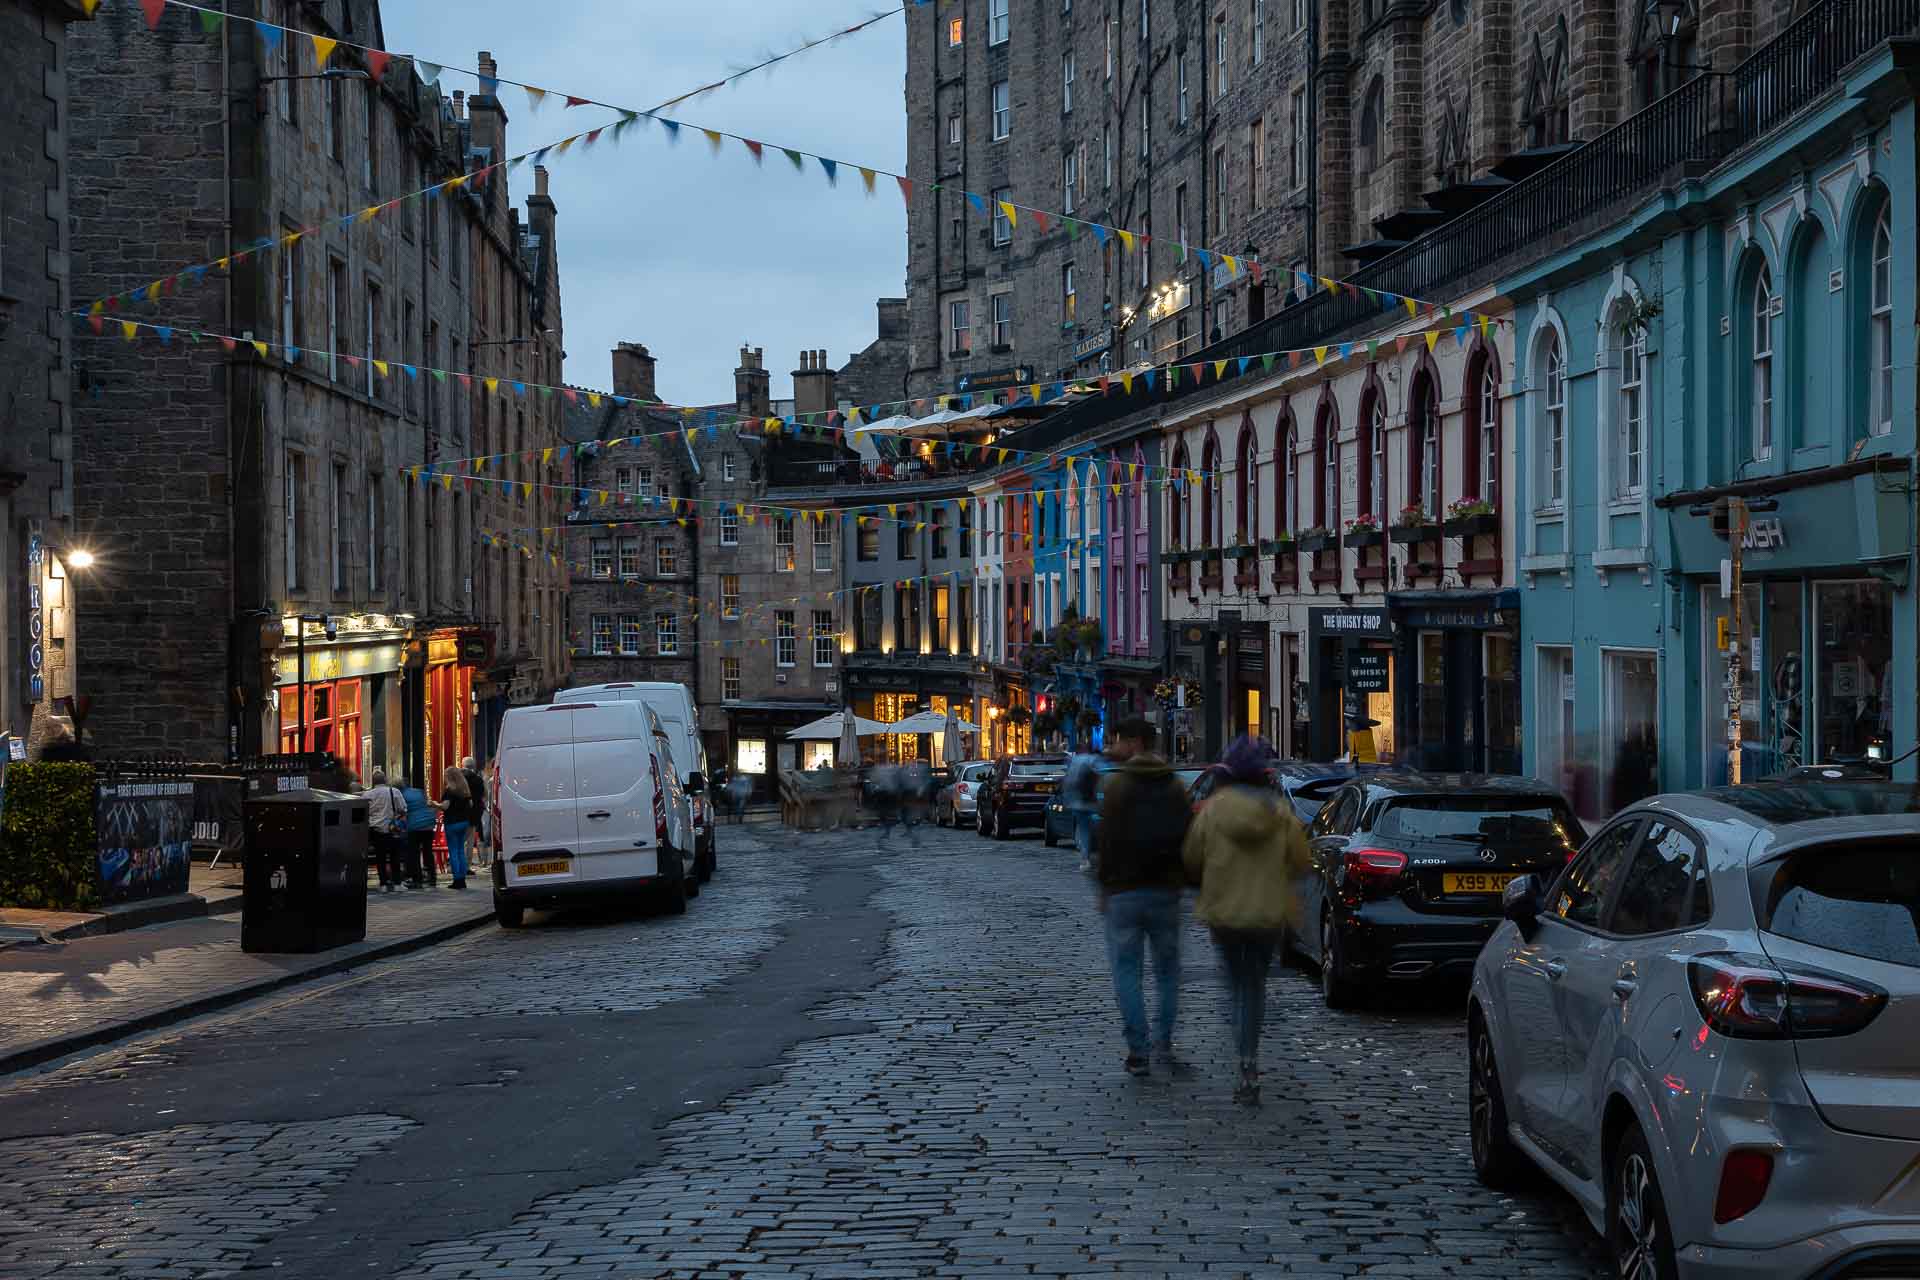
(457, 815)
(421, 872)
(739, 791)
(916, 795)
(481, 835)
(1143, 823)
(387, 829)
(1247, 852)
(1080, 792)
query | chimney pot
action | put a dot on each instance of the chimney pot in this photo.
(539, 180)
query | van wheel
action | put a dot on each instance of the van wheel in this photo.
(707, 865)
(673, 898)
(691, 879)
(511, 915)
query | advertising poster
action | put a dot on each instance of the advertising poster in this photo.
(145, 835)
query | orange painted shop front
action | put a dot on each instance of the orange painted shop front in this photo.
(449, 710)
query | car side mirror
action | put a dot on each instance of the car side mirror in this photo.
(696, 781)
(1520, 903)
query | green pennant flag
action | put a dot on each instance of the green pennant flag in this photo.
(1073, 228)
(799, 161)
(439, 375)
(546, 393)
(210, 20)
(1373, 349)
(1173, 375)
(1266, 362)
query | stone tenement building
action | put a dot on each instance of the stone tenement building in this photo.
(1310, 136)
(37, 531)
(235, 492)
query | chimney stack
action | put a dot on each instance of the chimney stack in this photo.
(633, 371)
(813, 384)
(751, 386)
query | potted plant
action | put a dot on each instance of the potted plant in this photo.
(1045, 725)
(1089, 638)
(1414, 525)
(1364, 531)
(1471, 518)
(1019, 713)
(1317, 539)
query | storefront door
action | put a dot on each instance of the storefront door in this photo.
(332, 720)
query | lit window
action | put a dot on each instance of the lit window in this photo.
(629, 557)
(664, 557)
(783, 544)
(1068, 299)
(956, 32)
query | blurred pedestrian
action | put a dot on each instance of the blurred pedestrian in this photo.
(915, 798)
(1143, 822)
(421, 871)
(457, 815)
(1247, 852)
(387, 829)
(1080, 793)
(739, 791)
(482, 833)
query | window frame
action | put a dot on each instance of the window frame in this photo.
(1000, 110)
(826, 637)
(785, 639)
(1880, 336)
(999, 22)
(783, 542)
(959, 327)
(1002, 225)
(730, 684)
(1629, 463)
(1553, 423)
(729, 595)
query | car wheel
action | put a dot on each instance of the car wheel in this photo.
(1637, 1230)
(1052, 840)
(1001, 831)
(511, 915)
(1335, 987)
(1495, 1159)
(980, 824)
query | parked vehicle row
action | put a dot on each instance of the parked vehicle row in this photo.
(601, 797)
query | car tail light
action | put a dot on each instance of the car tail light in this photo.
(659, 804)
(1373, 870)
(1751, 998)
(964, 791)
(1743, 1184)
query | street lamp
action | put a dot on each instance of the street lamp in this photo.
(80, 559)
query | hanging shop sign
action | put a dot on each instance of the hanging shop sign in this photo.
(995, 379)
(1350, 622)
(36, 652)
(1367, 671)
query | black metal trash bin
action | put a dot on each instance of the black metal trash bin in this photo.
(305, 887)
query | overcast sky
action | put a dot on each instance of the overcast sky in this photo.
(691, 253)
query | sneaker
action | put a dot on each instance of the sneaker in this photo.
(1137, 1065)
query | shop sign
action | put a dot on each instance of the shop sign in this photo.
(336, 662)
(1765, 534)
(36, 653)
(1350, 622)
(1367, 671)
(1252, 656)
(995, 379)
(1469, 619)
(1092, 345)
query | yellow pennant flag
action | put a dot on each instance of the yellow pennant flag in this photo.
(1126, 381)
(893, 509)
(369, 213)
(1219, 370)
(1116, 490)
(1483, 326)
(546, 455)
(1233, 264)
(292, 237)
(1432, 336)
(593, 399)
(866, 178)
(1332, 286)
(261, 347)
(1133, 471)
(713, 139)
(1011, 214)
(322, 49)
(1319, 355)
(1413, 308)
(1193, 477)
(1034, 392)
(1003, 455)
(454, 182)
(493, 386)
(128, 329)
(1126, 241)
(561, 147)
(525, 488)
(381, 365)
(222, 264)
(603, 497)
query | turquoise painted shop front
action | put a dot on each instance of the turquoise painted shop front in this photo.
(1749, 334)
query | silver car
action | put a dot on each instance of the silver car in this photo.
(956, 802)
(1705, 1030)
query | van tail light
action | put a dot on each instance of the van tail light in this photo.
(1373, 871)
(1743, 1184)
(659, 804)
(493, 808)
(1752, 998)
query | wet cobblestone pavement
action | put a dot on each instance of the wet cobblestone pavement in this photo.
(955, 1108)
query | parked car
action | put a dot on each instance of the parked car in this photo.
(589, 807)
(1059, 822)
(1305, 784)
(1015, 793)
(1408, 869)
(674, 705)
(1703, 1030)
(954, 802)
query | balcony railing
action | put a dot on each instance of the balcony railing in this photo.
(1697, 125)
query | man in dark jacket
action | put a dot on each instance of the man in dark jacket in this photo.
(1143, 822)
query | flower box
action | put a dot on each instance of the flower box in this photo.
(1211, 555)
(1314, 543)
(1473, 526)
(1413, 534)
(1245, 551)
(1365, 538)
(1276, 546)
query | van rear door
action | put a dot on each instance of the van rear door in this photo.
(614, 794)
(538, 812)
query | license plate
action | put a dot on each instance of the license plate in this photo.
(1477, 881)
(1043, 787)
(558, 867)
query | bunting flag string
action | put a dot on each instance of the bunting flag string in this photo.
(1042, 220)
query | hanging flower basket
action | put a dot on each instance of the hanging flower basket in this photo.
(1317, 540)
(1471, 518)
(1414, 525)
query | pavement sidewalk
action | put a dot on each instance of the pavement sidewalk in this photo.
(63, 996)
(210, 891)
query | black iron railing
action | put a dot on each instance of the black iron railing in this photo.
(1697, 125)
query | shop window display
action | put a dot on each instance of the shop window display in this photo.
(1630, 741)
(1853, 684)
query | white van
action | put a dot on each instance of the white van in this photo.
(674, 704)
(588, 806)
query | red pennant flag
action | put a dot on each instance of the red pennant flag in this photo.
(228, 344)
(573, 397)
(755, 148)
(99, 326)
(1402, 344)
(1293, 359)
(594, 137)
(1106, 384)
(153, 9)
(1259, 272)
(466, 380)
(906, 189)
(578, 102)
(377, 60)
(1039, 219)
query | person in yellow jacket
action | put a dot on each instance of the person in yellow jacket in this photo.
(1246, 851)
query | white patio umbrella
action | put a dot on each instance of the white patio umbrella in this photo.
(955, 727)
(830, 727)
(848, 752)
(923, 722)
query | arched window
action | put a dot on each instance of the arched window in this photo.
(1372, 445)
(1372, 108)
(1326, 452)
(1075, 531)
(1423, 448)
(1880, 326)
(1553, 424)
(1480, 449)
(1178, 499)
(1630, 402)
(1760, 357)
(1813, 349)
(1247, 483)
(1286, 437)
(1210, 514)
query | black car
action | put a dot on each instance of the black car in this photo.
(1015, 794)
(1408, 869)
(1306, 785)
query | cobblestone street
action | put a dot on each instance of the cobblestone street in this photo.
(938, 1092)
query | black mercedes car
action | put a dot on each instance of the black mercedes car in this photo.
(1015, 794)
(1305, 784)
(1408, 869)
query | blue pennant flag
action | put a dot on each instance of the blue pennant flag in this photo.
(1244, 362)
(165, 332)
(1206, 259)
(979, 205)
(410, 371)
(1151, 373)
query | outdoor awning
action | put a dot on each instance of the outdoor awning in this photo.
(829, 728)
(928, 722)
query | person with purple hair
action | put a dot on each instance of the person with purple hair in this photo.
(1246, 851)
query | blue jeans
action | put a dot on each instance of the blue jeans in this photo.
(1083, 834)
(1136, 920)
(1245, 959)
(457, 850)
